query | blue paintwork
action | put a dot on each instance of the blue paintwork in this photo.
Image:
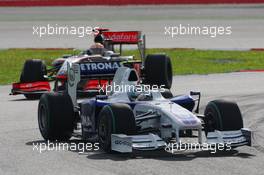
(101, 103)
(99, 67)
(185, 101)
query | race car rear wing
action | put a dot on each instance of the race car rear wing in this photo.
(123, 37)
(120, 38)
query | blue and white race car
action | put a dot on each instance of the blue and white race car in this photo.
(128, 119)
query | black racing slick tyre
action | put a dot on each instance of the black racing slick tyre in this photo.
(158, 70)
(56, 116)
(33, 70)
(115, 119)
(223, 116)
(167, 93)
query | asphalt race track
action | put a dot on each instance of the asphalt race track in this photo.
(19, 131)
(246, 21)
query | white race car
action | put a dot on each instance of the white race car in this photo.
(128, 120)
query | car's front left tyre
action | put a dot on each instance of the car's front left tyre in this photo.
(115, 119)
(56, 116)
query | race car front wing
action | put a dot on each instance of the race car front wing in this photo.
(38, 87)
(127, 143)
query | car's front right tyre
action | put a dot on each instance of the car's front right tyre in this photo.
(33, 70)
(222, 115)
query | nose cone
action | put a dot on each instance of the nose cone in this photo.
(183, 117)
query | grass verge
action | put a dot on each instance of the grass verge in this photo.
(184, 61)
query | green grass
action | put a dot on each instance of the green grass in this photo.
(184, 61)
(211, 61)
(11, 61)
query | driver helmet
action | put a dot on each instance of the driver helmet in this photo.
(99, 39)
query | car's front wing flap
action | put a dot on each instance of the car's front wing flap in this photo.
(38, 87)
(234, 138)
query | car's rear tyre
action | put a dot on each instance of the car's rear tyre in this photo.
(115, 119)
(56, 116)
(223, 116)
(158, 70)
(167, 93)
